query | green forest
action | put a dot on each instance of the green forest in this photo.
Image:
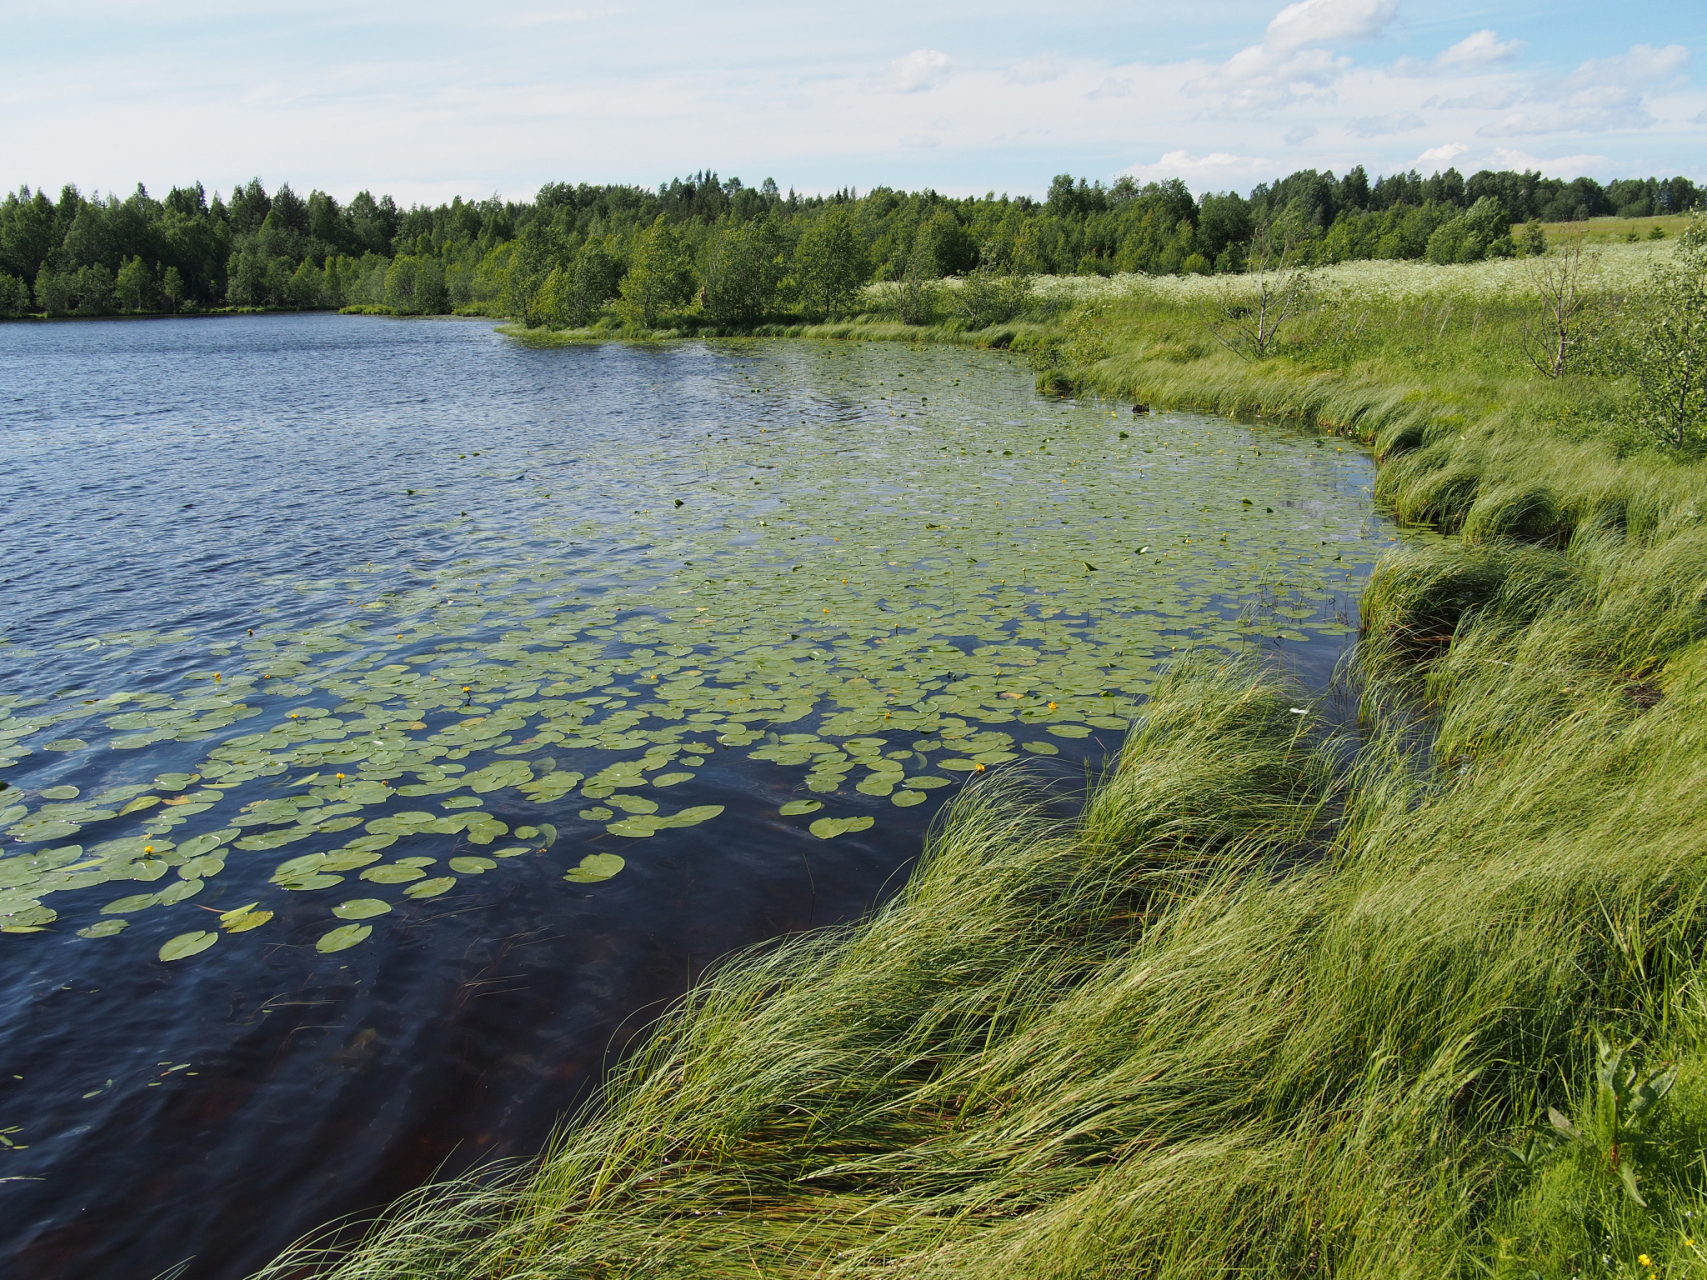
(734, 254)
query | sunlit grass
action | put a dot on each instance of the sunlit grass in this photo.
(1280, 1002)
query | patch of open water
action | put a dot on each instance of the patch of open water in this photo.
(434, 702)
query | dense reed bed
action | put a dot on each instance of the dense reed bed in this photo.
(1423, 1001)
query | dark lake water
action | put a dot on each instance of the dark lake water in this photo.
(430, 701)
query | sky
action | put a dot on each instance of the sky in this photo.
(429, 100)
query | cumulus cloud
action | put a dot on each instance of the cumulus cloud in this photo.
(1299, 134)
(1479, 50)
(1603, 95)
(1289, 64)
(1219, 170)
(917, 72)
(1111, 88)
(1443, 154)
(1326, 21)
(1378, 126)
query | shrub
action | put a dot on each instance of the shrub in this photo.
(1665, 349)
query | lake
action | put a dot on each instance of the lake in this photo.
(393, 716)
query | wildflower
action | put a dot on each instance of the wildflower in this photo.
(1643, 1259)
(1052, 706)
(977, 768)
(148, 848)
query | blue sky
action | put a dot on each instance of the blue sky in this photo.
(430, 99)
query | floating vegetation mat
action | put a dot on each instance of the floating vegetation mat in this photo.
(880, 571)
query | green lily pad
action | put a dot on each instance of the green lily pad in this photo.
(692, 817)
(361, 908)
(343, 938)
(1070, 730)
(907, 799)
(671, 779)
(243, 921)
(796, 807)
(309, 883)
(595, 867)
(515, 850)
(471, 866)
(60, 793)
(392, 873)
(431, 888)
(188, 944)
(103, 929)
(830, 828)
(597, 814)
(129, 906)
(1043, 748)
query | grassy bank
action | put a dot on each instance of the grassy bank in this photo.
(1277, 1003)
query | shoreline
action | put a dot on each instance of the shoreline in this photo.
(1261, 1007)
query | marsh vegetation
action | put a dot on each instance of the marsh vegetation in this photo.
(1286, 999)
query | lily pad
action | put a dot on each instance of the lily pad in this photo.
(795, 807)
(361, 908)
(1070, 730)
(188, 944)
(392, 873)
(343, 938)
(103, 929)
(431, 888)
(595, 867)
(471, 866)
(907, 799)
(131, 905)
(830, 828)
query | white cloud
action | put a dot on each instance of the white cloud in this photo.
(1479, 50)
(1443, 154)
(1299, 134)
(917, 72)
(1643, 67)
(1217, 171)
(1603, 95)
(1111, 88)
(1558, 167)
(1484, 100)
(1324, 21)
(1289, 65)
(1379, 126)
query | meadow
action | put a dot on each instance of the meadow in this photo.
(1420, 994)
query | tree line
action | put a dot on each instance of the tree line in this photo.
(736, 254)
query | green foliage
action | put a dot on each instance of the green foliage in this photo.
(572, 297)
(1482, 231)
(1666, 350)
(134, 286)
(830, 264)
(14, 296)
(988, 297)
(659, 278)
(742, 266)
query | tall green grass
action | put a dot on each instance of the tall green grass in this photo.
(1280, 1001)
(1251, 1013)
